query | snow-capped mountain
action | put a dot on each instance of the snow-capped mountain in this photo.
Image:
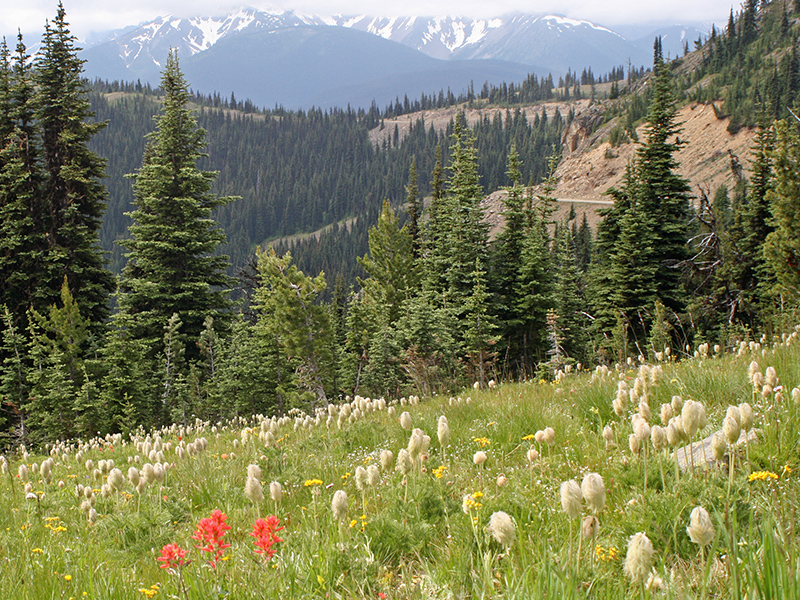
(516, 43)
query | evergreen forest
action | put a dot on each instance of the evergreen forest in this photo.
(156, 267)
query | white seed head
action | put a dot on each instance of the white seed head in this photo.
(253, 490)
(549, 436)
(590, 527)
(387, 460)
(718, 446)
(443, 431)
(116, 479)
(405, 421)
(658, 436)
(532, 455)
(700, 529)
(339, 505)
(731, 429)
(634, 443)
(479, 457)
(502, 529)
(373, 475)
(276, 491)
(404, 462)
(639, 557)
(746, 416)
(594, 492)
(254, 471)
(361, 478)
(571, 497)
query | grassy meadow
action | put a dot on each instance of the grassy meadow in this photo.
(437, 521)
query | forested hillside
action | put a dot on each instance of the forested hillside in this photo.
(415, 297)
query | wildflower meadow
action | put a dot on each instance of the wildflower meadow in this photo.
(668, 479)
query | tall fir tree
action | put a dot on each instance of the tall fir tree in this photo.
(782, 246)
(73, 194)
(662, 193)
(26, 284)
(172, 267)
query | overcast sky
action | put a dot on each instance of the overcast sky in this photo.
(87, 16)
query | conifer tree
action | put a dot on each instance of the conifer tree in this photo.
(287, 302)
(782, 246)
(172, 268)
(73, 194)
(22, 228)
(393, 273)
(662, 193)
(414, 208)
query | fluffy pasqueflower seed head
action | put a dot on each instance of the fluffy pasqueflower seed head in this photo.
(502, 528)
(539, 437)
(718, 446)
(147, 473)
(665, 414)
(644, 410)
(677, 404)
(443, 431)
(415, 445)
(549, 436)
(276, 491)
(571, 497)
(339, 505)
(387, 460)
(22, 471)
(373, 475)
(690, 413)
(731, 429)
(133, 476)
(116, 479)
(658, 436)
(639, 558)
(634, 443)
(253, 490)
(479, 457)
(91, 516)
(608, 434)
(590, 527)
(404, 462)
(642, 430)
(254, 471)
(594, 492)
(733, 411)
(361, 478)
(752, 369)
(158, 472)
(746, 416)
(533, 455)
(700, 529)
(771, 377)
(502, 480)
(405, 421)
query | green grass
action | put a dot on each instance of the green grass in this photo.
(408, 538)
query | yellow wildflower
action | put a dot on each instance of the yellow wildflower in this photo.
(310, 482)
(762, 476)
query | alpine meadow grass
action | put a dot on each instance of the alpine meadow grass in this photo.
(492, 510)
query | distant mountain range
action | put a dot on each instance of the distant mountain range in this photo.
(298, 60)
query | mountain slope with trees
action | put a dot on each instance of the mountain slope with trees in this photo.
(439, 303)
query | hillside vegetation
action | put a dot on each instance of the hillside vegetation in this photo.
(469, 502)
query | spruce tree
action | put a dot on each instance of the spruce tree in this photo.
(662, 193)
(393, 273)
(782, 246)
(289, 311)
(73, 194)
(172, 268)
(23, 270)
